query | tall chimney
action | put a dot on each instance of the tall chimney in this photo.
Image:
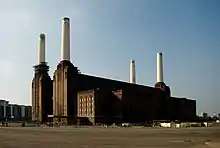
(65, 39)
(159, 67)
(41, 49)
(132, 72)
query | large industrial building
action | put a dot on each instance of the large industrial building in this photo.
(76, 98)
(14, 111)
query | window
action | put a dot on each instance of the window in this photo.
(65, 75)
(91, 109)
(88, 112)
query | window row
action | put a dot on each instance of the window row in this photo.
(83, 102)
(86, 113)
(87, 108)
(86, 98)
(86, 104)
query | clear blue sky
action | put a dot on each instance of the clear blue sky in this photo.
(106, 34)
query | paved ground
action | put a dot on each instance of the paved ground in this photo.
(33, 137)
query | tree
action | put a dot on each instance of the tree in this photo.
(205, 115)
(215, 117)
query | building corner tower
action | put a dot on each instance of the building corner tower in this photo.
(160, 78)
(65, 81)
(165, 109)
(42, 86)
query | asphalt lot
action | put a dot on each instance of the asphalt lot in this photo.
(69, 137)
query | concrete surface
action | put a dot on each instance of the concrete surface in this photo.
(69, 137)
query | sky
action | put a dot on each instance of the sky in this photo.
(107, 34)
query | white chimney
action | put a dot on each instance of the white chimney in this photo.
(132, 72)
(159, 67)
(41, 49)
(65, 39)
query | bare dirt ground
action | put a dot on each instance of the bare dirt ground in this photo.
(69, 137)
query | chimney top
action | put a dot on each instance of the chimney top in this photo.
(42, 36)
(66, 19)
(160, 53)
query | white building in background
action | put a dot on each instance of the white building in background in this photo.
(3, 108)
(22, 111)
(14, 111)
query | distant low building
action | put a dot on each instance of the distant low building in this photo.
(14, 111)
(3, 108)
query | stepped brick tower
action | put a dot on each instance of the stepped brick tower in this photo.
(64, 82)
(42, 86)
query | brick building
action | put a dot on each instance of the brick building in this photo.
(98, 106)
(85, 99)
